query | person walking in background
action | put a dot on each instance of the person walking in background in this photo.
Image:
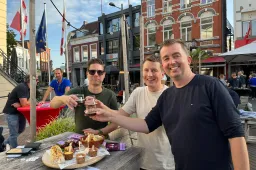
(96, 74)
(198, 114)
(60, 85)
(252, 83)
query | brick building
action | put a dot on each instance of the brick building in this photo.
(200, 23)
(82, 46)
(41, 61)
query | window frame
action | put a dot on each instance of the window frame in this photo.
(136, 20)
(91, 50)
(186, 29)
(151, 33)
(168, 30)
(207, 2)
(74, 59)
(82, 52)
(186, 5)
(252, 28)
(167, 1)
(151, 12)
(205, 24)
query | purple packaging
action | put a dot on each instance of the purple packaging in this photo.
(75, 136)
(61, 142)
(113, 146)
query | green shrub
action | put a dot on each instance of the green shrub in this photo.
(56, 127)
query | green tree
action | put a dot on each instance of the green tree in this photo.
(196, 54)
(11, 42)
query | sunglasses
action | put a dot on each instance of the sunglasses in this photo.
(99, 72)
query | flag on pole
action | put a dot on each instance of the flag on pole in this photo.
(63, 29)
(246, 37)
(41, 36)
(16, 22)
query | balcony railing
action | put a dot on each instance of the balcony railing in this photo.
(11, 69)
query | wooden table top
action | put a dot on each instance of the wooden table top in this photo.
(129, 159)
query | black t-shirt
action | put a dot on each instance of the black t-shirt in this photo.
(199, 118)
(20, 91)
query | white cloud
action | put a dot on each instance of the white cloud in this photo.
(77, 11)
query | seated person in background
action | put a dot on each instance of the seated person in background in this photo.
(253, 85)
(233, 94)
(235, 97)
(233, 81)
(96, 75)
(241, 78)
(222, 79)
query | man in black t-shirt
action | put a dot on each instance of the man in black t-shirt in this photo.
(16, 121)
(198, 114)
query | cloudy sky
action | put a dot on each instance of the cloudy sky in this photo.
(77, 11)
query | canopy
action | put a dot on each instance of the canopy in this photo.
(244, 53)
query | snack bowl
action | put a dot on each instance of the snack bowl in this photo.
(80, 158)
(68, 155)
(92, 142)
(93, 152)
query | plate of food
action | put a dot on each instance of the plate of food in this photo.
(75, 154)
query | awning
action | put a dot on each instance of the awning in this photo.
(244, 53)
(135, 65)
(214, 60)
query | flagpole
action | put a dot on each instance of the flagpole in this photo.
(48, 56)
(22, 32)
(66, 47)
(32, 70)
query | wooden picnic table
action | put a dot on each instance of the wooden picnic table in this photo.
(118, 160)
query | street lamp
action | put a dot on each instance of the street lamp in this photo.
(112, 4)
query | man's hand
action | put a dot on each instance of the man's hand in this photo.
(89, 130)
(16, 105)
(70, 100)
(102, 115)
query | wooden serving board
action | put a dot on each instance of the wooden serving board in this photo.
(46, 160)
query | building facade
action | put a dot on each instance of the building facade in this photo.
(244, 24)
(82, 46)
(244, 17)
(22, 60)
(200, 23)
(41, 61)
(3, 21)
(110, 43)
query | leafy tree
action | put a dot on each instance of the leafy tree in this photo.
(195, 54)
(11, 42)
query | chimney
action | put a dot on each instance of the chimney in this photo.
(85, 22)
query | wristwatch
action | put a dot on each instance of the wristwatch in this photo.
(100, 132)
